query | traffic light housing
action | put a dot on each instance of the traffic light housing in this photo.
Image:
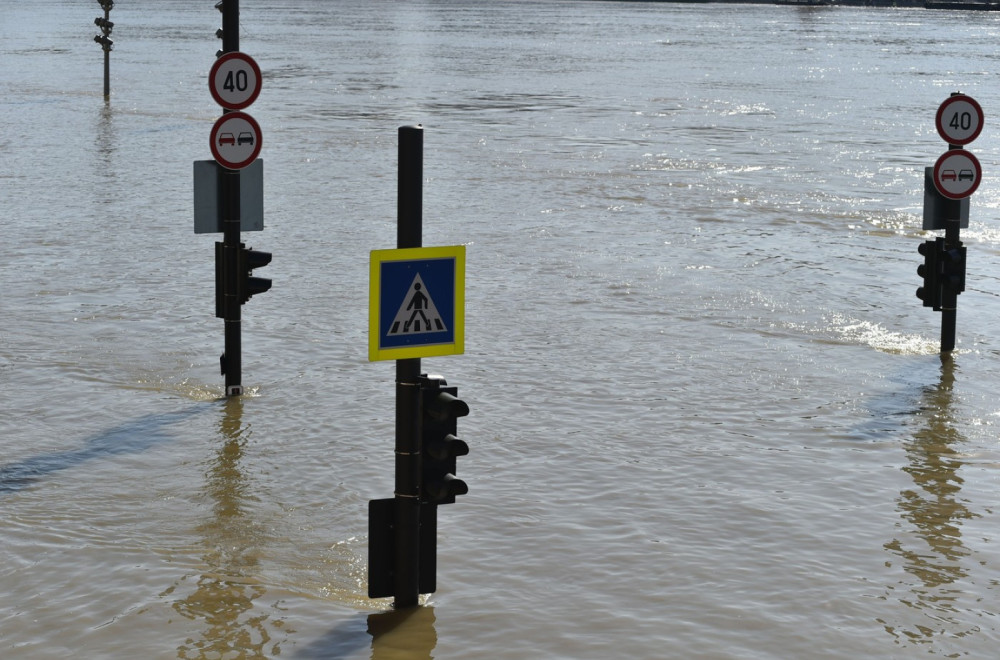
(930, 270)
(219, 34)
(104, 41)
(440, 409)
(105, 25)
(246, 284)
(953, 269)
(395, 542)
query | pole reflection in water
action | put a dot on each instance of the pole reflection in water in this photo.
(932, 550)
(229, 585)
(406, 634)
(106, 145)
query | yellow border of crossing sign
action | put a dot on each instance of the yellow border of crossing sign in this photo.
(416, 303)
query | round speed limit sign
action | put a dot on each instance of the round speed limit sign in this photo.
(959, 120)
(234, 80)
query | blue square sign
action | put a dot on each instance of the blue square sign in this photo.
(416, 303)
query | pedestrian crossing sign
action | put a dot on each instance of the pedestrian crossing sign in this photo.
(416, 304)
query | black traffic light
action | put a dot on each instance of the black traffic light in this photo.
(219, 34)
(953, 268)
(107, 5)
(930, 270)
(105, 25)
(104, 41)
(439, 412)
(246, 284)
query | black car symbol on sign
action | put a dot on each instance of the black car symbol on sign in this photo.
(965, 175)
(245, 138)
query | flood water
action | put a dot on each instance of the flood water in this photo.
(708, 420)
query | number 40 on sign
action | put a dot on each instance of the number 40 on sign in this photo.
(234, 81)
(959, 120)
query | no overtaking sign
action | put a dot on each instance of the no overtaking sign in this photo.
(235, 140)
(957, 174)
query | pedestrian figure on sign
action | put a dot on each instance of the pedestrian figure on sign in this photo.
(417, 303)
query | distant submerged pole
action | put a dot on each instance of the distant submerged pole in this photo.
(104, 39)
(955, 176)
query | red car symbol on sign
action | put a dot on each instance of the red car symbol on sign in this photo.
(240, 134)
(957, 174)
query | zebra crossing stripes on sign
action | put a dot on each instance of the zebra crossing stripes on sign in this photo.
(417, 314)
(416, 303)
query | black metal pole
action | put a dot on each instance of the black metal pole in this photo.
(107, 57)
(949, 298)
(105, 26)
(229, 198)
(409, 234)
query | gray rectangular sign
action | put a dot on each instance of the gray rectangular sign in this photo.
(206, 197)
(937, 207)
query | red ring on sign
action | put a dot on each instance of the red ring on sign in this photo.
(215, 135)
(977, 173)
(939, 118)
(249, 61)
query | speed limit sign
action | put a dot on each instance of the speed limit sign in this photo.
(234, 80)
(959, 119)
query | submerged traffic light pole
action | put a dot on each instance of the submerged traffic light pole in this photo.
(229, 198)
(105, 40)
(235, 143)
(955, 176)
(402, 531)
(943, 273)
(952, 268)
(406, 507)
